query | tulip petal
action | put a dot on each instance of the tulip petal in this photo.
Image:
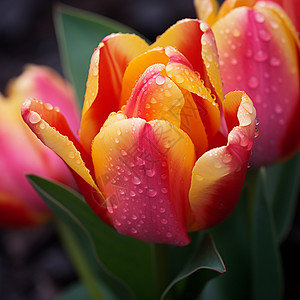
(145, 187)
(137, 67)
(231, 105)
(51, 128)
(263, 66)
(229, 5)
(155, 96)
(179, 70)
(206, 10)
(218, 175)
(197, 33)
(107, 68)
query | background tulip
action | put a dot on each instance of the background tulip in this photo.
(259, 53)
(292, 8)
(156, 158)
(21, 153)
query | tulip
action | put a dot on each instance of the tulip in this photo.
(157, 157)
(259, 54)
(22, 153)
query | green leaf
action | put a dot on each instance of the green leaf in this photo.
(266, 268)
(203, 265)
(82, 255)
(233, 241)
(126, 258)
(283, 183)
(79, 33)
(75, 292)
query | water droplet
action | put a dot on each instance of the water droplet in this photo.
(119, 132)
(162, 210)
(136, 180)
(151, 192)
(259, 18)
(199, 177)
(260, 56)
(117, 140)
(204, 27)
(71, 154)
(164, 190)
(256, 134)
(133, 217)
(169, 235)
(42, 126)
(275, 62)
(253, 82)
(164, 221)
(150, 172)
(281, 121)
(123, 152)
(110, 209)
(153, 100)
(34, 117)
(234, 61)
(264, 35)
(236, 33)
(217, 164)
(132, 194)
(133, 230)
(117, 223)
(160, 80)
(227, 158)
(179, 78)
(278, 109)
(48, 106)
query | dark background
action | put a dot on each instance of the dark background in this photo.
(33, 265)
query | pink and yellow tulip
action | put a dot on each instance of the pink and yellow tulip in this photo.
(259, 54)
(21, 153)
(160, 153)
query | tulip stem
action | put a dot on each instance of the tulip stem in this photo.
(161, 267)
(79, 261)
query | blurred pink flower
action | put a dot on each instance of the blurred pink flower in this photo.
(259, 54)
(21, 153)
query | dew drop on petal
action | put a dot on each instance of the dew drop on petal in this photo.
(34, 118)
(227, 158)
(264, 35)
(164, 221)
(151, 192)
(150, 172)
(169, 235)
(123, 152)
(199, 177)
(260, 56)
(160, 80)
(275, 62)
(136, 180)
(164, 190)
(253, 82)
(278, 109)
(133, 230)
